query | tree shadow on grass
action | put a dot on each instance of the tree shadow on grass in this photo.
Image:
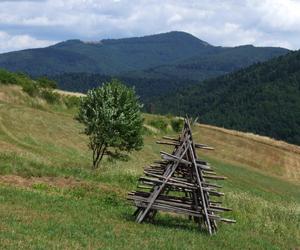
(113, 156)
(170, 222)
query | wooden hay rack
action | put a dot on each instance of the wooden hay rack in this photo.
(190, 177)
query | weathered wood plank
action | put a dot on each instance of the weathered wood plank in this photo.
(160, 188)
(183, 172)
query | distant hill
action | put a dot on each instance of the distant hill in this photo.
(264, 99)
(220, 62)
(162, 56)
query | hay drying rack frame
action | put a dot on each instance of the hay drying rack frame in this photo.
(183, 172)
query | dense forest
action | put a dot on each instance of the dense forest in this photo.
(220, 62)
(263, 98)
(146, 88)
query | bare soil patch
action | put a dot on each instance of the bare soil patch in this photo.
(59, 182)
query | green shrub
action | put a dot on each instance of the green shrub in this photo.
(40, 87)
(7, 77)
(176, 124)
(20, 79)
(31, 89)
(44, 82)
(50, 96)
(159, 124)
(71, 101)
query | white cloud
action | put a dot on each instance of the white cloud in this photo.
(279, 14)
(219, 22)
(18, 42)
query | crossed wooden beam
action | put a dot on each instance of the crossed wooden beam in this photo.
(180, 183)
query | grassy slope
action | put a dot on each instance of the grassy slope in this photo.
(273, 157)
(51, 199)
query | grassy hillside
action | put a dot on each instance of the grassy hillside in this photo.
(263, 99)
(51, 199)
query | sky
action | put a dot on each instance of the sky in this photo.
(39, 23)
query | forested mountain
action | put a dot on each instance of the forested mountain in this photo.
(168, 55)
(145, 87)
(263, 98)
(222, 61)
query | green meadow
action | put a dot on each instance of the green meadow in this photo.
(51, 199)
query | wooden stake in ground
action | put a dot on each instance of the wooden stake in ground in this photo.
(180, 183)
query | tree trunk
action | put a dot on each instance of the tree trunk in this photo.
(98, 154)
(102, 154)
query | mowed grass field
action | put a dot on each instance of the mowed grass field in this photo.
(51, 199)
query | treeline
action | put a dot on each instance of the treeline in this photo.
(41, 87)
(146, 88)
(263, 98)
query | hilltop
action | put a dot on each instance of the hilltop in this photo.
(50, 198)
(160, 56)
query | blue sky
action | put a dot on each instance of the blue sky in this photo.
(39, 23)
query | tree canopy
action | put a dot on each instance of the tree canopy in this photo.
(112, 118)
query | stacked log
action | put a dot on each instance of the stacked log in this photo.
(180, 183)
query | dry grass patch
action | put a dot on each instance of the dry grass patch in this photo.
(273, 157)
(69, 93)
(258, 138)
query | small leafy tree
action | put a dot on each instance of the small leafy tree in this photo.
(112, 118)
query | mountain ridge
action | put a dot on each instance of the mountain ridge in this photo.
(120, 56)
(162, 37)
